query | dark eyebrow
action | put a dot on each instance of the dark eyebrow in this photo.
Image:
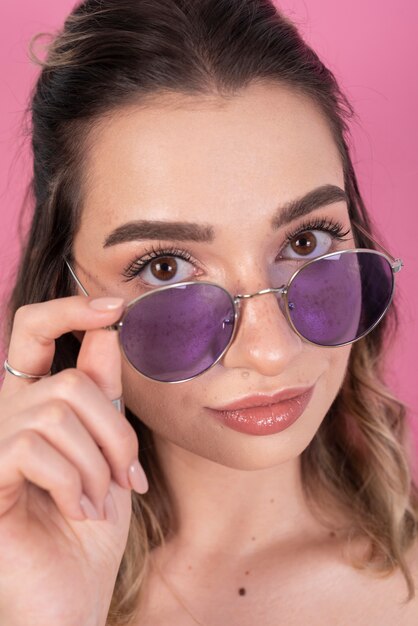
(321, 196)
(188, 231)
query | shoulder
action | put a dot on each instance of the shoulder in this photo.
(408, 611)
(342, 593)
(384, 597)
(412, 562)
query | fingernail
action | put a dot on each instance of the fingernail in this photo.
(110, 509)
(137, 478)
(88, 508)
(106, 304)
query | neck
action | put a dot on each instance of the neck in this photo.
(232, 511)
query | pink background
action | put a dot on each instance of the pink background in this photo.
(371, 46)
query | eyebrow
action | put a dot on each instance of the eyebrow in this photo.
(141, 230)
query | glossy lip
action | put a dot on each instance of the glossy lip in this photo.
(268, 419)
(262, 399)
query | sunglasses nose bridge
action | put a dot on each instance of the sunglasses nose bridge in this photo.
(239, 298)
(279, 290)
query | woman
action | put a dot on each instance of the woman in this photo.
(201, 143)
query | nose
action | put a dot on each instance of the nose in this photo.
(264, 340)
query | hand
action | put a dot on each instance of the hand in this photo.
(62, 441)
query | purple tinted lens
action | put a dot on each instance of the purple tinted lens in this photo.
(179, 332)
(338, 299)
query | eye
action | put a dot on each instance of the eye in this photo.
(165, 269)
(308, 243)
(313, 239)
(161, 266)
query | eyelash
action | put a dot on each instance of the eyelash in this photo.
(328, 225)
(334, 228)
(137, 265)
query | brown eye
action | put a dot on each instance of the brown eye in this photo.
(304, 243)
(163, 268)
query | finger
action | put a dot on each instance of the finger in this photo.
(36, 326)
(100, 358)
(26, 456)
(57, 424)
(110, 430)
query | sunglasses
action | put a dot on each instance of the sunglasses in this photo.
(177, 332)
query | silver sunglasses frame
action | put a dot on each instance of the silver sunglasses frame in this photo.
(395, 263)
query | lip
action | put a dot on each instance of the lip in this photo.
(266, 419)
(263, 399)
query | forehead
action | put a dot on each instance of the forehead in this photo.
(207, 157)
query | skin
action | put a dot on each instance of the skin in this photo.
(228, 163)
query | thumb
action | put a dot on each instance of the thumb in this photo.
(100, 357)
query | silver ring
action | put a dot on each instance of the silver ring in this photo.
(119, 404)
(20, 374)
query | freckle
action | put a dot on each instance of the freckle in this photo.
(247, 572)
(252, 538)
(241, 591)
(189, 567)
(272, 500)
(332, 534)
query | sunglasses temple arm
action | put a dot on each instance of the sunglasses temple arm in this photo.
(397, 263)
(75, 277)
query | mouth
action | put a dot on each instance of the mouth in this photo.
(257, 400)
(264, 415)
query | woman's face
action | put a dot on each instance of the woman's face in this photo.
(231, 166)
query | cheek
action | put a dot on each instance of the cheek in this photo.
(341, 357)
(155, 403)
(331, 365)
(327, 366)
(337, 362)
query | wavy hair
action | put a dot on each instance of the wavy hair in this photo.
(111, 53)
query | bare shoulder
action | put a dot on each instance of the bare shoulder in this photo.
(412, 560)
(379, 599)
(411, 609)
